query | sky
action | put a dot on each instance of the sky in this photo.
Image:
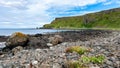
(36, 13)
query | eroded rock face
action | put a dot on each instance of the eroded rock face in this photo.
(17, 39)
(56, 39)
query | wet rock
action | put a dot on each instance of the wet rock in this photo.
(17, 39)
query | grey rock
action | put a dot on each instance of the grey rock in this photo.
(109, 62)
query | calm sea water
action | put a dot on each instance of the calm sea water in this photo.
(7, 32)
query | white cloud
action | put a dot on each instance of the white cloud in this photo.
(12, 3)
(6, 22)
(35, 12)
(108, 2)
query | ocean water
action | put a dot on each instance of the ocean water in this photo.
(7, 32)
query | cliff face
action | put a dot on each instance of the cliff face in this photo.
(104, 19)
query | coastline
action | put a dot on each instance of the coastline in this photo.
(104, 42)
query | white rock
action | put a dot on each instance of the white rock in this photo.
(35, 62)
(38, 50)
(49, 44)
(2, 44)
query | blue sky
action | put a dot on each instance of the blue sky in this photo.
(35, 13)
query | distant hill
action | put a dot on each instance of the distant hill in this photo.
(103, 19)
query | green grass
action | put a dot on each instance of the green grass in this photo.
(94, 59)
(84, 60)
(75, 64)
(79, 49)
(103, 19)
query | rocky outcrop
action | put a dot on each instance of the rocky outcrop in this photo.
(17, 39)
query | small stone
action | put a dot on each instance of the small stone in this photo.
(51, 48)
(2, 56)
(118, 63)
(113, 59)
(35, 62)
(45, 66)
(56, 65)
(38, 50)
(109, 62)
(62, 55)
(98, 47)
(49, 44)
(94, 67)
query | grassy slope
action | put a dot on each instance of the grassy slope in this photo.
(103, 19)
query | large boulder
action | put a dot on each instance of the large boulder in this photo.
(56, 39)
(37, 42)
(17, 39)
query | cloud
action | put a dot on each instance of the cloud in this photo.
(6, 22)
(108, 2)
(37, 12)
(13, 3)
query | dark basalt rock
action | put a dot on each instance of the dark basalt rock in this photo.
(37, 42)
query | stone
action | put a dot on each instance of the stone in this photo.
(34, 62)
(1, 66)
(56, 39)
(16, 39)
(94, 67)
(45, 66)
(49, 44)
(2, 45)
(109, 62)
(56, 65)
(17, 49)
(37, 42)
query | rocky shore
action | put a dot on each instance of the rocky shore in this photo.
(49, 50)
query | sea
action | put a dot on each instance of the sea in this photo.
(7, 32)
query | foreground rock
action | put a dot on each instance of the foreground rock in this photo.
(17, 39)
